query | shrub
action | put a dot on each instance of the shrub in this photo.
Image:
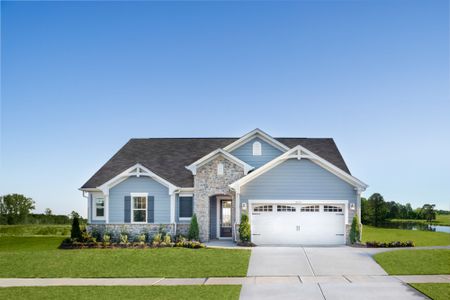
(193, 229)
(355, 231)
(106, 238)
(376, 244)
(167, 239)
(75, 232)
(244, 229)
(157, 240)
(142, 238)
(124, 238)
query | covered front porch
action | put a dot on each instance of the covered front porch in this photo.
(222, 217)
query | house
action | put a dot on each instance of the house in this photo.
(295, 190)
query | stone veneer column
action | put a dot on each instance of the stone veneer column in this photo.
(207, 183)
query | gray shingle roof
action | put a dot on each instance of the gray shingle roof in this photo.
(168, 157)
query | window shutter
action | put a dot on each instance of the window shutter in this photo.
(127, 209)
(151, 209)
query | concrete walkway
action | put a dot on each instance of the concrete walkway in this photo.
(284, 280)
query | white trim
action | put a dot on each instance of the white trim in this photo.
(257, 132)
(172, 208)
(195, 165)
(107, 209)
(189, 190)
(132, 195)
(185, 195)
(94, 204)
(184, 219)
(256, 148)
(299, 152)
(140, 171)
(220, 169)
(218, 207)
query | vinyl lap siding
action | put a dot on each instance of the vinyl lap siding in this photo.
(139, 185)
(245, 153)
(298, 180)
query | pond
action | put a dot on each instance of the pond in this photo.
(416, 226)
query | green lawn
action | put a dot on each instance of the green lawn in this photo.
(436, 291)
(123, 292)
(420, 238)
(32, 230)
(415, 262)
(39, 257)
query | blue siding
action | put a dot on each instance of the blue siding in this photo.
(298, 180)
(245, 153)
(139, 185)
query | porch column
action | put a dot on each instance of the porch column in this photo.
(172, 208)
(107, 209)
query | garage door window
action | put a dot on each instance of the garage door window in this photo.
(310, 208)
(285, 208)
(331, 208)
(263, 208)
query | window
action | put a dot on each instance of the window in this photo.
(332, 208)
(99, 207)
(220, 169)
(285, 208)
(263, 208)
(257, 148)
(310, 208)
(139, 208)
(185, 207)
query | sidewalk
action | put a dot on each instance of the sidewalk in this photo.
(11, 282)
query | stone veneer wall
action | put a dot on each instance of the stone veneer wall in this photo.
(134, 230)
(207, 183)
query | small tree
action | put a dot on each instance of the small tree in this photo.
(355, 232)
(48, 212)
(377, 209)
(193, 229)
(75, 232)
(428, 212)
(244, 229)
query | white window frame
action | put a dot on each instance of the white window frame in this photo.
(220, 169)
(95, 217)
(179, 205)
(133, 195)
(257, 148)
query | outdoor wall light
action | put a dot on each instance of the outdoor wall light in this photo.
(352, 206)
(244, 206)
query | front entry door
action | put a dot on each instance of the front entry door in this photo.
(225, 218)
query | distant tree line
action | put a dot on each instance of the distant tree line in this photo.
(16, 209)
(375, 211)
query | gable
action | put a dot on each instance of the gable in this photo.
(300, 180)
(245, 152)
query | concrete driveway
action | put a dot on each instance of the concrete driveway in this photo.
(311, 261)
(321, 273)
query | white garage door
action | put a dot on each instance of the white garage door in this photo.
(305, 224)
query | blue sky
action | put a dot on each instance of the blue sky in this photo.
(79, 79)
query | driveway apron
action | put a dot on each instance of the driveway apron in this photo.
(324, 273)
(279, 261)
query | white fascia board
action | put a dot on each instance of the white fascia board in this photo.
(257, 132)
(302, 152)
(193, 167)
(142, 171)
(89, 190)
